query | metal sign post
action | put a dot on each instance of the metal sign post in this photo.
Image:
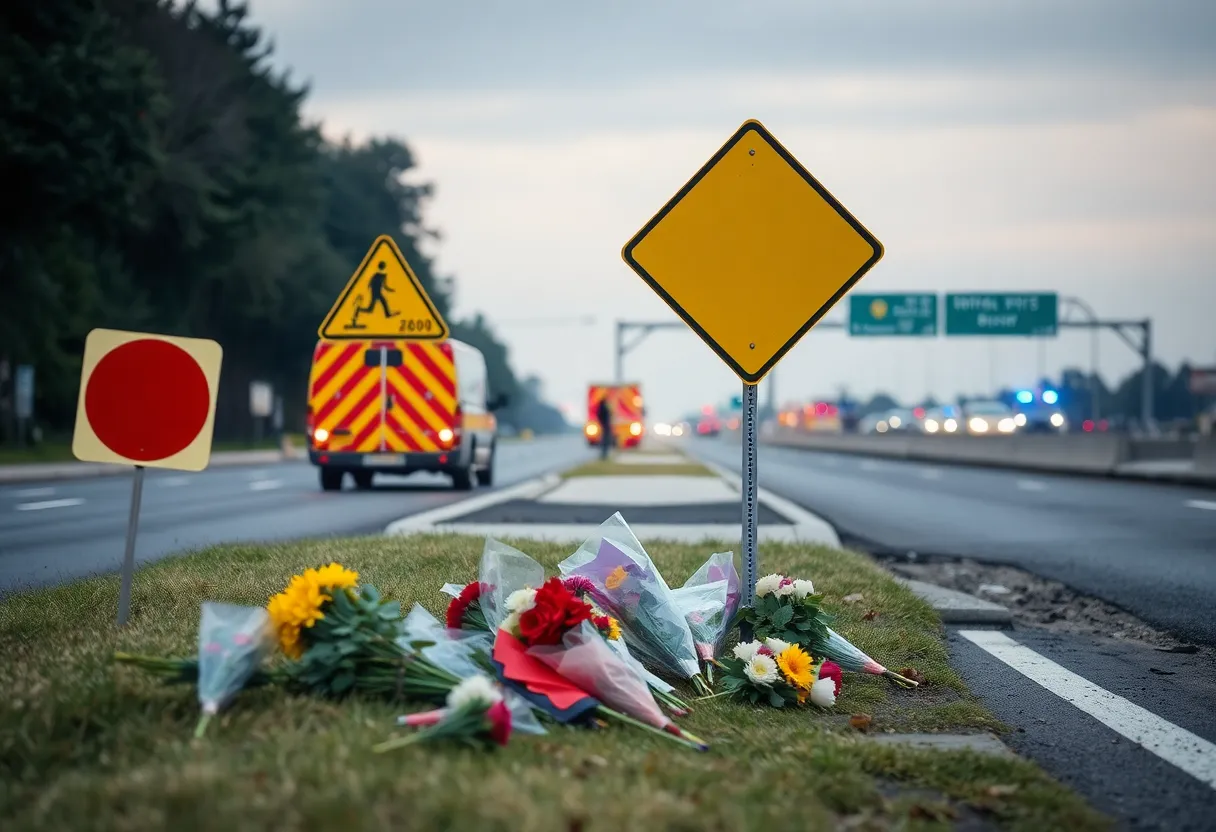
(751, 511)
(128, 560)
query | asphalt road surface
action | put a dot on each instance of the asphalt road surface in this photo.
(59, 531)
(1148, 548)
(1129, 727)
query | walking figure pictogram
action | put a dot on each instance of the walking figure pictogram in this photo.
(377, 285)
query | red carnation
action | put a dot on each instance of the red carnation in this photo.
(460, 607)
(499, 716)
(831, 670)
(555, 610)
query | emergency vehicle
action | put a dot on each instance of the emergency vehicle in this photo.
(396, 407)
(627, 409)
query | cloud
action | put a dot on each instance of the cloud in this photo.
(378, 45)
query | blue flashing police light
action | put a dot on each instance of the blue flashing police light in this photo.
(1050, 397)
(1026, 397)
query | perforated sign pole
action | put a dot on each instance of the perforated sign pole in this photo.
(128, 558)
(751, 513)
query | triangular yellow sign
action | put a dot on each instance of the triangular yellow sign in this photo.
(384, 299)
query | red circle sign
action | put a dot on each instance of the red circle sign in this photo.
(147, 400)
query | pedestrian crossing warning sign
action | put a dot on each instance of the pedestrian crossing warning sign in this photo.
(384, 300)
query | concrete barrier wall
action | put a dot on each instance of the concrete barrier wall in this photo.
(1154, 450)
(1087, 453)
(1205, 456)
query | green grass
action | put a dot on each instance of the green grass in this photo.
(61, 450)
(85, 744)
(613, 467)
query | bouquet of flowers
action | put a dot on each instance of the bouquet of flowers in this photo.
(518, 575)
(788, 609)
(779, 674)
(476, 714)
(232, 643)
(625, 582)
(553, 626)
(709, 600)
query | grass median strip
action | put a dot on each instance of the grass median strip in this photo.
(86, 744)
(613, 468)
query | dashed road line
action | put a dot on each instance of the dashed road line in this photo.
(45, 504)
(1206, 505)
(1031, 485)
(1177, 746)
(265, 485)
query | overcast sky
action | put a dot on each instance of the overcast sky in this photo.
(989, 144)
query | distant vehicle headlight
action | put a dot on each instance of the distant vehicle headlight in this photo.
(978, 425)
(951, 426)
(881, 427)
(1006, 426)
(931, 426)
(677, 431)
(1057, 419)
(896, 421)
(1020, 420)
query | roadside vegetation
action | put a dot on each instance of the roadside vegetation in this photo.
(86, 744)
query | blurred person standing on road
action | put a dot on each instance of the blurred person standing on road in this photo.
(603, 415)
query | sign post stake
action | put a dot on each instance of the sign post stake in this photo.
(128, 559)
(751, 513)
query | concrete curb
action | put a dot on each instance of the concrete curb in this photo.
(958, 607)
(54, 471)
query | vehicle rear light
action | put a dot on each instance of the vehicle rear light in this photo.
(323, 458)
(591, 429)
(443, 459)
(457, 427)
(1088, 426)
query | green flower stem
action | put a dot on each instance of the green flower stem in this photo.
(201, 728)
(902, 681)
(628, 720)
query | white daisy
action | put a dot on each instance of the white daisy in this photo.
(477, 688)
(761, 669)
(521, 600)
(746, 650)
(767, 584)
(823, 693)
(803, 588)
(776, 645)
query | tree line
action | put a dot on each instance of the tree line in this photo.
(159, 177)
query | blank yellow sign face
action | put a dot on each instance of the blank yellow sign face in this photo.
(383, 300)
(752, 252)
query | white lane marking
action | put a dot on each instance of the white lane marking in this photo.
(1177, 746)
(265, 485)
(174, 482)
(29, 493)
(45, 504)
(1206, 505)
(931, 473)
(1031, 485)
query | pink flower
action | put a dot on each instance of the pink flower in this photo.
(764, 650)
(214, 647)
(579, 585)
(242, 639)
(786, 581)
(831, 670)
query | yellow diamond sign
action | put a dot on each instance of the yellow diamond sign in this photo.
(752, 252)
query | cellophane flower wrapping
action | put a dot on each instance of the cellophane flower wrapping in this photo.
(503, 570)
(457, 652)
(587, 660)
(629, 587)
(709, 600)
(233, 641)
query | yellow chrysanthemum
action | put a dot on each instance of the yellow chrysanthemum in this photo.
(797, 667)
(614, 629)
(615, 578)
(301, 603)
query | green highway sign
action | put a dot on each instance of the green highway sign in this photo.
(1002, 313)
(902, 314)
